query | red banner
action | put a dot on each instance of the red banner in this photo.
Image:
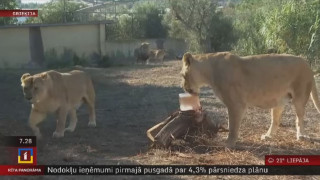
(18, 13)
(292, 160)
(21, 170)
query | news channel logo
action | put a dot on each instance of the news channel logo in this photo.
(25, 156)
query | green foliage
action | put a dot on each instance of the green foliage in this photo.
(100, 61)
(248, 16)
(148, 21)
(144, 21)
(104, 62)
(53, 60)
(296, 30)
(82, 61)
(200, 22)
(67, 59)
(222, 34)
(7, 5)
(54, 12)
(288, 26)
(121, 30)
(29, 5)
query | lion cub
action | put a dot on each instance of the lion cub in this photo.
(60, 93)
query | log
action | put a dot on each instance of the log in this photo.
(177, 127)
(179, 124)
(155, 129)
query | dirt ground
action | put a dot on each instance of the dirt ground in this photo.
(131, 99)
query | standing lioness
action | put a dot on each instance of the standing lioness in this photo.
(266, 81)
(60, 93)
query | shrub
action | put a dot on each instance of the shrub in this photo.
(201, 24)
(104, 61)
(286, 26)
(67, 59)
(82, 61)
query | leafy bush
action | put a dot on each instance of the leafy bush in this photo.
(144, 21)
(68, 58)
(104, 61)
(248, 17)
(100, 61)
(82, 61)
(8, 4)
(53, 60)
(58, 12)
(287, 26)
(205, 27)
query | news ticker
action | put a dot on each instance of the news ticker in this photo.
(157, 170)
(22, 153)
(18, 13)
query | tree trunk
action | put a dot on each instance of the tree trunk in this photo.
(206, 45)
(181, 123)
(175, 128)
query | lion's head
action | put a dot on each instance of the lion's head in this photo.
(144, 48)
(191, 81)
(35, 88)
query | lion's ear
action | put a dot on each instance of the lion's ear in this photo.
(187, 58)
(24, 76)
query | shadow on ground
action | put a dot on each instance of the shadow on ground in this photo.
(124, 113)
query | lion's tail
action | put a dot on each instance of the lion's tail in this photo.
(314, 96)
(91, 92)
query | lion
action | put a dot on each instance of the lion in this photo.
(156, 56)
(146, 55)
(267, 81)
(142, 53)
(60, 93)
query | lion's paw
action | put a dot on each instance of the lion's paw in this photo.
(302, 137)
(58, 134)
(230, 143)
(92, 124)
(266, 137)
(69, 129)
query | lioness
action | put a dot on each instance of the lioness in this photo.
(156, 56)
(266, 81)
(60, 93)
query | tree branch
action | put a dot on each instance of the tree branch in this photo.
(179, 18)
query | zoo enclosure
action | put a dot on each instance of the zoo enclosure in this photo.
(25, 45)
